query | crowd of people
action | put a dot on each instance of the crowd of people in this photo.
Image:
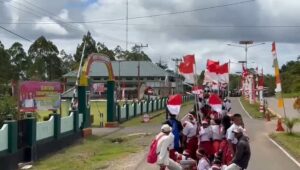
(204, 139)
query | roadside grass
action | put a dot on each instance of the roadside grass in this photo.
(156, 120)
(290, 142)
(291, 95)
(91, 153)
(252, 109)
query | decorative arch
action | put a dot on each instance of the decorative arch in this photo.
(87, 66)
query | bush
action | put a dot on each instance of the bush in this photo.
(8, 106)
(289, 123)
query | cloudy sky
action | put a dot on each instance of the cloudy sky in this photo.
(171, 28)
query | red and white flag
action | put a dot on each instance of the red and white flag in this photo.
(187, 68)
(223, 73)
(215, 103)
(211, 72)
(174, 104)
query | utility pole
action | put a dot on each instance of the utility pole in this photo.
(176, 60)
(126, 25)
(139, 83)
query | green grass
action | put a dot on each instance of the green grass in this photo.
(291, 95)
(92, 153)
(252, 109)
(290, 142)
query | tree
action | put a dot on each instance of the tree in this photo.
(137, 55)
(19, 60)
(120, 54)
(46, 63)
(68, 63)
(5, 70)
(101, 48)
(162, 65)
(90, 47)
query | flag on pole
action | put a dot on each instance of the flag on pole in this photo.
(215, 103)
(223, 73)
(187, 68)
(211, 72)
(277, 77)
(174, 104)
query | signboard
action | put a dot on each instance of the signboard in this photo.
(37, 96)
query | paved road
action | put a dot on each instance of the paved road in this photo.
(265, 155)
(290, 111)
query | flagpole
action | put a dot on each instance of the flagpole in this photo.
(281, 98)
(228, 78)
(196, 95)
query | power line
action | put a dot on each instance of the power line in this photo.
(18, 35)
(162, 14)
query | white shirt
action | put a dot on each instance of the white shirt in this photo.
(216, 132)
(203, 164)
(162, 148)
(190, 129)
(205, 134)
(230, 134)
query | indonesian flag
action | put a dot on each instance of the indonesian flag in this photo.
(174, 104)
(224, 73)
(215, 103)
(198, 90)
(211, 72)
(245, 72)
(261, 81)
(187, 68)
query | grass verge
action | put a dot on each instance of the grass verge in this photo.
(291, 95)
(290, 142)
(91, 153)
(252, 109)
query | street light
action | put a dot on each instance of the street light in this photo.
(246, 45)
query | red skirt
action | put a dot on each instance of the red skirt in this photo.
(216, 146)
(192, 146)
(227, 153)
(207, 146)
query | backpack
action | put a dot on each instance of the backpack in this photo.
(152, 155)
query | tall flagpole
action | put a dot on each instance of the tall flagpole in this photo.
(196, 95)
(228, 79)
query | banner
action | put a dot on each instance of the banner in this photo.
(37, 96)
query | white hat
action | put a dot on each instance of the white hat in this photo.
(238, 130)
(166, 128)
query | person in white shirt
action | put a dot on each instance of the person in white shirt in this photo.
(205, 138)
(203, 163)
(189, 132)
(232, 141)
(163, 159)
(217, 134)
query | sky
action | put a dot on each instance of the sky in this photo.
(171, 28)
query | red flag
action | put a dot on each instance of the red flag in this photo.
(211, 72)
(273, 48)
(211, 62)
(189, 59)
(223, 73)
(215, 102)
(186, 68)
(174, 104)
(223, 69)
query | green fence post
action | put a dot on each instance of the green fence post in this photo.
(119, 112)
(152, 105)
(31, 126)
(127, 111)
(141, 107)
(111, 101)
(82, 105)
(76, 120)
(57, 122)
(12, 135)
(147, 102)
(134, 109)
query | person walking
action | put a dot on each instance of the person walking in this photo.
(190, 140)
(243, 153)
(205, 138)
(165, 140)
(204, 163)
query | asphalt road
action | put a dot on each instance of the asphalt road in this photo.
(265, 155)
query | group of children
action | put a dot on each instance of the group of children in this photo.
(200, 143)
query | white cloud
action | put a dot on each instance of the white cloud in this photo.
(50, 28)
(64, 14)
